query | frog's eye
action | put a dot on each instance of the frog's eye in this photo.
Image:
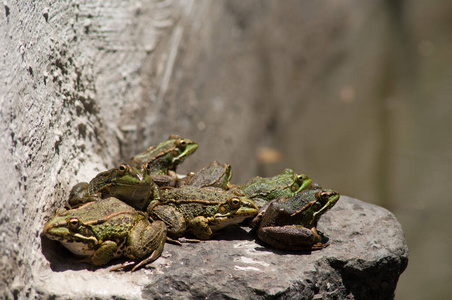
(182, 144)
(122, 169)
(235, 203)
(301, 177)
(323, 196)
(73, 224)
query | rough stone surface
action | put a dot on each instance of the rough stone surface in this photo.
(366, 256)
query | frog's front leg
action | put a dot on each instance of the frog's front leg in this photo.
(104, 253)
(291, 237)
(200, 227)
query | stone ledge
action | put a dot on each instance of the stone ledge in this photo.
(367, 254)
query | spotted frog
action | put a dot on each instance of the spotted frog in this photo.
(106, 229)
(264, 189)
(200, 211)
(290, 223)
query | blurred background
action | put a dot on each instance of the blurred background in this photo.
(355, 94)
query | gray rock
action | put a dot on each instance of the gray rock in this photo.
(367, 254)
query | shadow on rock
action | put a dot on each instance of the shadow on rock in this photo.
(234, 233)
(61, 259)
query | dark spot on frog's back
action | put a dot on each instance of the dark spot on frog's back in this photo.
(115, 204)
(124, 219)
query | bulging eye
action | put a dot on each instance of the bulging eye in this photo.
(73, 224)
(301, 177)
(235, 203)
(182, 144)
(323, 197)
(122, 169)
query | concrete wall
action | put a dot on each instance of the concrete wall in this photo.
(353, 93)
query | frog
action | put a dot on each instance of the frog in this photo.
(264, 189)
(215, 175)
(166, 156)
(102, 230)
(200, 211)
(290, 223)
(132, 185)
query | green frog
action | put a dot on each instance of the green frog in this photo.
(214, 175)
(200, 211)
(264, 189)
(166, 156)
(290, 223)
(108, 228)
(131, 185)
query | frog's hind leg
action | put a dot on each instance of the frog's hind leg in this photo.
(145, 240)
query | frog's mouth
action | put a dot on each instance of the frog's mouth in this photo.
(75, 242)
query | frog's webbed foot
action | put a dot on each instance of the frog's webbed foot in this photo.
(181, 240)
(154, 255)
(123, 266)
(319, 246)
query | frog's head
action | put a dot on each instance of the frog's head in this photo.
(131, 185)
(69, 229)
(166, 155)
(325, 200)
(310, 205)
(182, 149)
(233, 211)
(300, 183)
(127, 175)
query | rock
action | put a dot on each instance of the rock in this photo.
(367, 254)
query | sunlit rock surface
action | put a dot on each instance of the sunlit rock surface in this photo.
(366, 256)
